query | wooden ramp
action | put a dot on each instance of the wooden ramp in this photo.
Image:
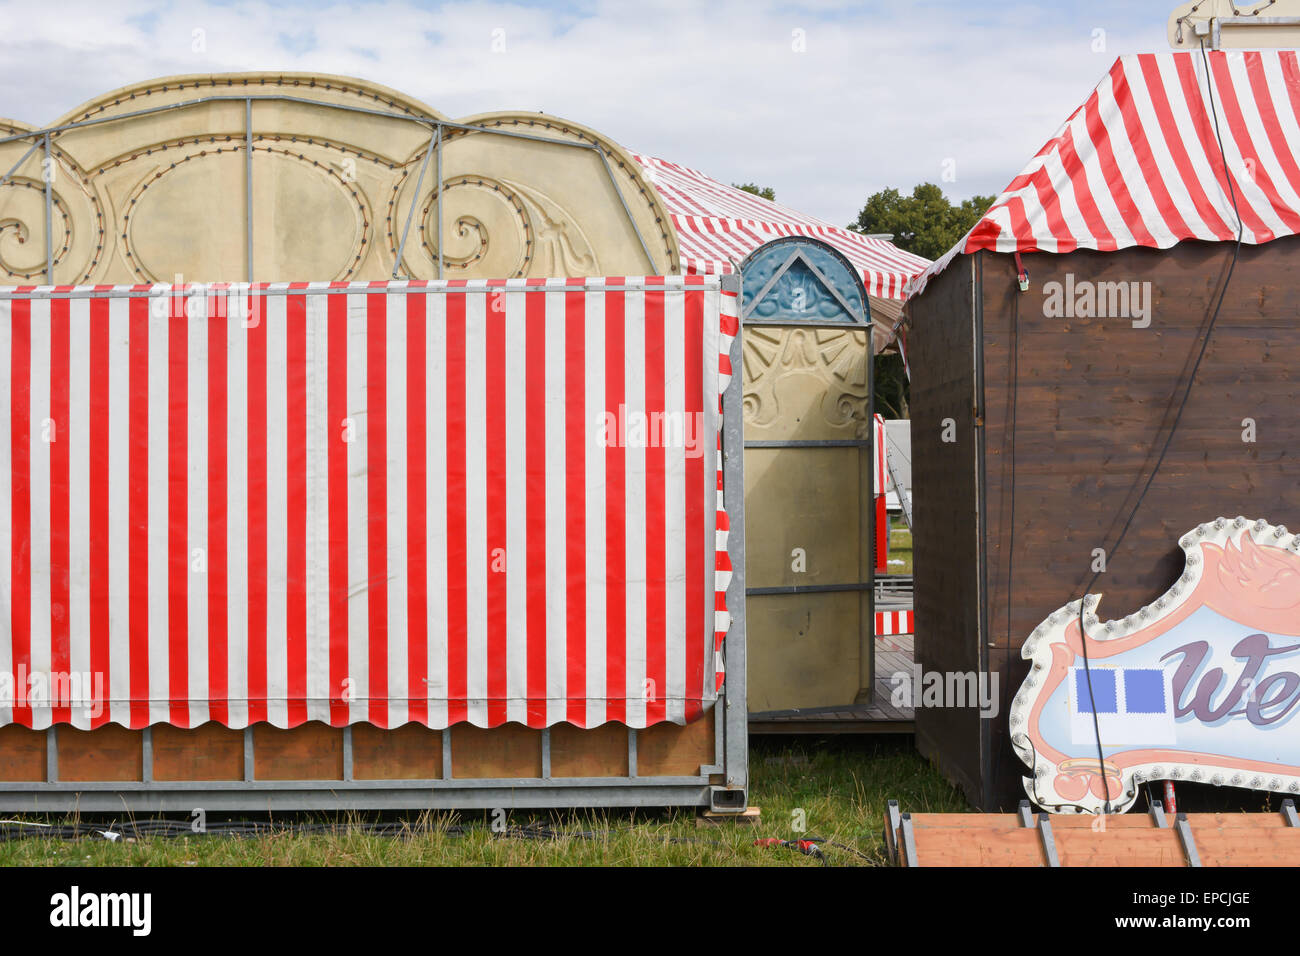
(1151, 839)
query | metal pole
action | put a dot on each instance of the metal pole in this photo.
(419, 184)
(628, 212)
(248, 186)
(441, 184)
(47, 174)
(14, 168)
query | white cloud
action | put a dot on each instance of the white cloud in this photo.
(882, 95)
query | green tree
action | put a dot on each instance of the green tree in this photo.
(891, 387)
(762, 192)
(926, 223)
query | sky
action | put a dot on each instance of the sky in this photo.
(825, 101)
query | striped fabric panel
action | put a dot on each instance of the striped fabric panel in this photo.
(439, 502)
(718, 225)
(878, 450)
(891, 623)
(1139, 163)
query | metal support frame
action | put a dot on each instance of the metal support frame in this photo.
(1043, 824)
(731, 742)
(1026, 813)
(434, 142)
(909, 841)
(1289, 814)
(47, 174)
(1049, 841)
(1218, 23)
(248, 186)
(1189, 842)
(892, 822)
(1158, 815)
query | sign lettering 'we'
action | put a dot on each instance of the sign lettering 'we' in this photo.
(1202, 685)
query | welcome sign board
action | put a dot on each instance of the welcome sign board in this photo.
(1201, 685)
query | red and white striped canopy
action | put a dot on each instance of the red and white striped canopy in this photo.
(1139, 163)
(479, 501)
(718, 225)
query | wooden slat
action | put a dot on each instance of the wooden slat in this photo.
(410, 752)
(22, 754)
(979, 847)
(669, 750)
(1118, 846)
(1255, 846)
(511, 750)
(599, 752)
(312, 751)
(109, 753)
(209, 752)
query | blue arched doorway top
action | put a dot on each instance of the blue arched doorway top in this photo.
(795, 280)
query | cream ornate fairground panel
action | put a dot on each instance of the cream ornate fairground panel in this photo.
(808, 384)
(280, 177)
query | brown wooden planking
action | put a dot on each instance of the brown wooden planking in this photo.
(110, 753)
(985, 847)
(207, 752)
(599, 752)
(1221, 839)
(511, 750)
(1231, 846)
(945, 552)
(409, 752)
(311, 751)
(1092, 397)
(670, 750)
(22, 754)
(1088, 821)
(1118, 846)
(1100, 382)
(314, 751)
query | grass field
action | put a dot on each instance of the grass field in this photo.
(836, 788)
(900, 551)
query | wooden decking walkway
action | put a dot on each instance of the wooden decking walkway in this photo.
(893, 654)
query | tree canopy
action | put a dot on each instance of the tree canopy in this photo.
(762, 192)
(926, 223)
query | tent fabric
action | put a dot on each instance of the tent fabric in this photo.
(718, 225)
(1139, 163)
(439, 502)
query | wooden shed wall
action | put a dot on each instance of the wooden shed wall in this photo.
(944, 489)
(1095, 398)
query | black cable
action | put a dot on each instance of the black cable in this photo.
(1182, 405)
(1011, 521)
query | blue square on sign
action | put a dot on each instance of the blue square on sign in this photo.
(1103, 691)
(1144, 691)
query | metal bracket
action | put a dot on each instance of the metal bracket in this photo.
(1026, 815)
(1189, 843)
(1289, 814)
(891, 830)
(909, 841)
(1158, 815)
(1049, 841)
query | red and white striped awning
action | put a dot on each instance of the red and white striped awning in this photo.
(718, 225)
(479, 501)
(1139, 163)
